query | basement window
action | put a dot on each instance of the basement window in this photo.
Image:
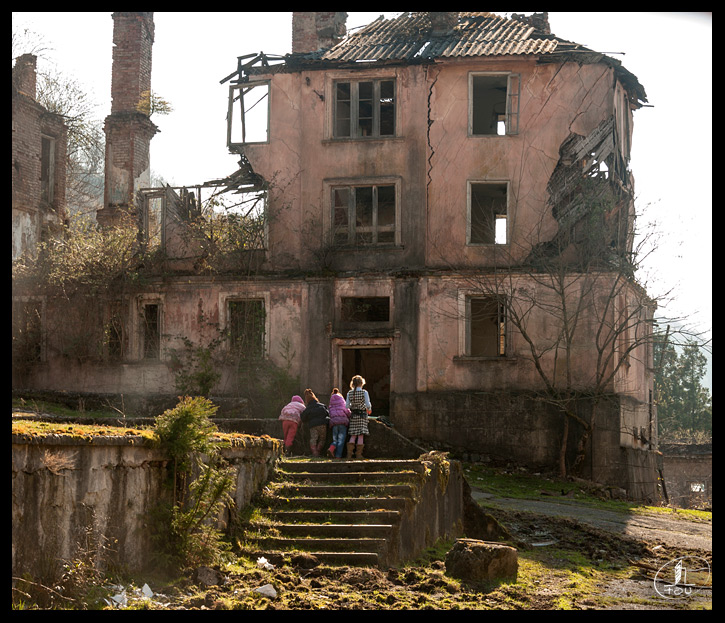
(364, 215)
(487, 327)
(247, 322)
(365, 309)
(364, 108)
(493, 104)
(487, 213)
(248, 114)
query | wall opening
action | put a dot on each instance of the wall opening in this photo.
(373, 364)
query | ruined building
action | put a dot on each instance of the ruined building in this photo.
(39, 143)
(448, 211)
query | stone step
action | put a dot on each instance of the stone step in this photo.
(332, 531)
(361, 559)
(318, 544)
(351, 517)
(342, 504)
(347, 491)
(345, 478)
(337, 465)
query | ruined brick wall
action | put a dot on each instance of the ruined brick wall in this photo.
(30, 123)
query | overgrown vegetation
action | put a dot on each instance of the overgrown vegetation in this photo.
(186, 533)
(684, 405)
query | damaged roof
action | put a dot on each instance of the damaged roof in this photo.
(424, 37)
(414, 35)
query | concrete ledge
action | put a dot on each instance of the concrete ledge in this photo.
(63, 486)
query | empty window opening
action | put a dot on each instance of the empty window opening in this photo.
(47, 168)
(364, 214)
(487, 327)
(115, 334)
(494, 106)
(247, 320)
(248, 115)
(365, 309)
(364, 109)
(697, 487)
(373, 364)
(151, 331)
(488, 213)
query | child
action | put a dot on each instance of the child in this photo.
(290, 417)
(315, 416)
(339, 419)
(358, 401)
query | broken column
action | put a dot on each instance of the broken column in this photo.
(128, 130)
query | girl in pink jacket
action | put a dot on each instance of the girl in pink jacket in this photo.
(290, 417)
(339, 419)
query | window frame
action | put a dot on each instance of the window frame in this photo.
(226, 316)
(503, 347)
(237, 93)
(331, 186)
(354, 116)
(469, 213)
(512, 102)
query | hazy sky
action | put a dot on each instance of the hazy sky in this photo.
(671, 154)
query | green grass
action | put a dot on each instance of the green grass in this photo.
(524, 485)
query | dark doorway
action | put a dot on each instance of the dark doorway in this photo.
(373, 364)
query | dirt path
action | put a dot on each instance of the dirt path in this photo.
(673, 532)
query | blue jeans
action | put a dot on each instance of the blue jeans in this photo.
(339, 433)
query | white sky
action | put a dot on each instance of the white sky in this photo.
(671, 154)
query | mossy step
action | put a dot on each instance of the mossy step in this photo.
(351, 477)
(341, 504)
(354, 517)
(358, 559)
(344, 491)
(340, 544)
(338, 466)
(334, 531)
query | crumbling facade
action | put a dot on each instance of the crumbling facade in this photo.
(39, 144)
(440, 189)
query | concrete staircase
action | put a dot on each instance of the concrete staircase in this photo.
(340, 511)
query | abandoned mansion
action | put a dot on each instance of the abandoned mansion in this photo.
(441, 202)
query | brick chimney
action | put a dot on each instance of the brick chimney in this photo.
(25, 75)
(317, 30)
(540, 21)
(442, 22)
(128, 131)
